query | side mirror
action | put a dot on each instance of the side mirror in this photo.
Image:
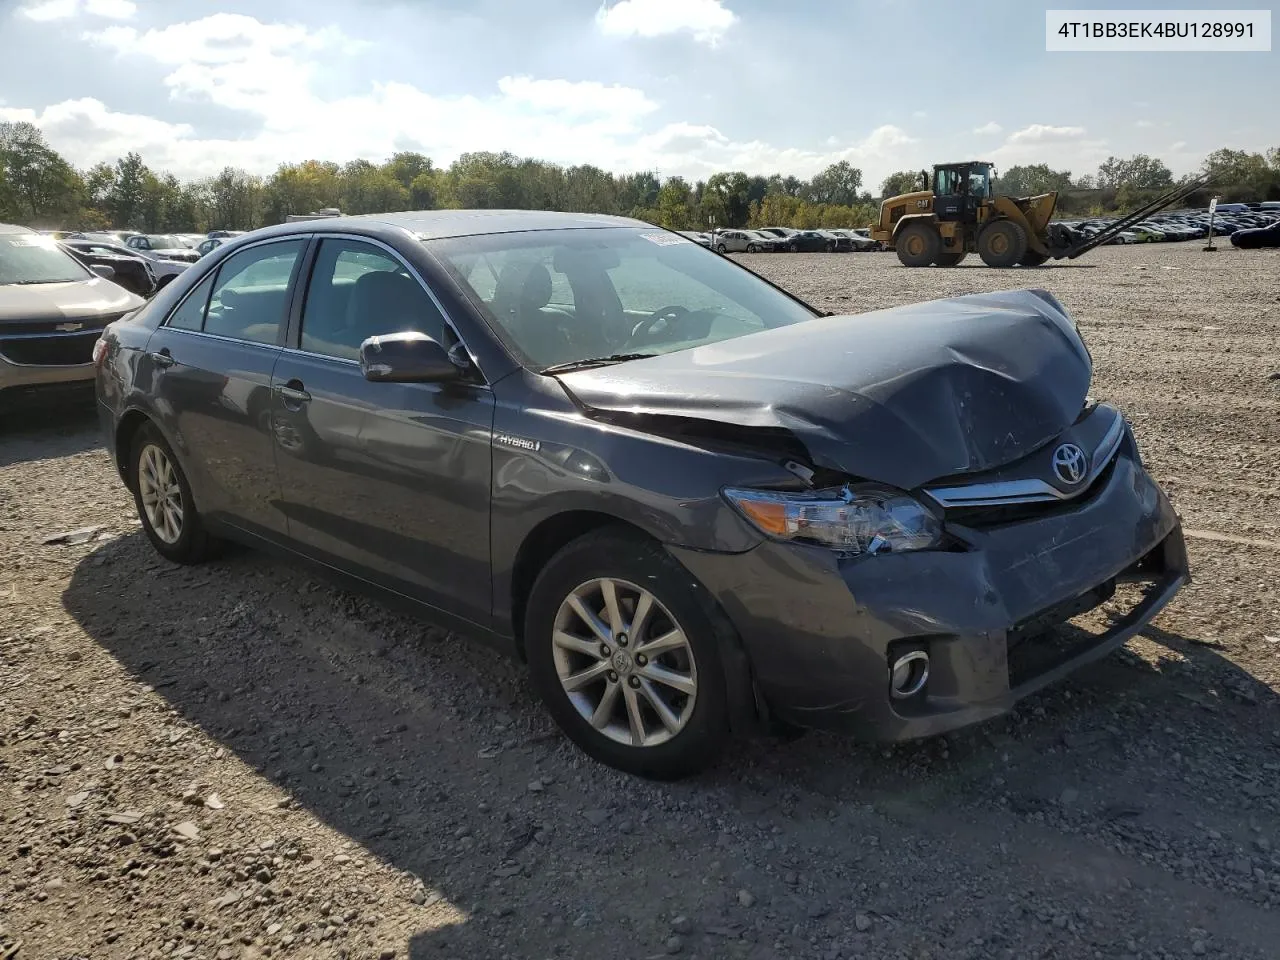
(407, 357)
(104, 271)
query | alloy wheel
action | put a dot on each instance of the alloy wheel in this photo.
(161, 493)
(624, 662)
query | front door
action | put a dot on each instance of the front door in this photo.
(211, 362)
(387, 481)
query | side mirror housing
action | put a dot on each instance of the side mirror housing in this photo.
(104, 271)
(406, 357)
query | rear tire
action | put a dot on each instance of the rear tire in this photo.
(951, 259)
(1002, 243)
(684, 734)
(918, 245)
(163, 498)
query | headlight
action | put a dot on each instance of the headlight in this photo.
(848, 521)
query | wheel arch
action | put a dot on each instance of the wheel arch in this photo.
(747, 711)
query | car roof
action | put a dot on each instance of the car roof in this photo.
(437, 224)
(14, 228)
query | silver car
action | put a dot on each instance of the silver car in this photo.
(52, 310)
(740, 241)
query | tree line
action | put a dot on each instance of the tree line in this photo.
(39, 188)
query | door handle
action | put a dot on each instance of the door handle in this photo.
(162, 358)
(293, 392)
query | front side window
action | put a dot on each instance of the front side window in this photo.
(251, 292)
(27, 259)
(357, 291)
(564, 296)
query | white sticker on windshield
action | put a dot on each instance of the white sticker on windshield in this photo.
(665, 239)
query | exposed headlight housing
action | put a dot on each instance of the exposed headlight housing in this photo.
(849, 521)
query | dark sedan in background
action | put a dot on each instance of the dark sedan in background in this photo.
(692, 503)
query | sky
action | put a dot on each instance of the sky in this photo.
(687, 87)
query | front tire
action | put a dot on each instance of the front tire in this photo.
(918, 245)
(752, 248)
(163, 498)
(951, 259)
(1002, 243)
(625, 655)
(720, 249)
(1033, 259)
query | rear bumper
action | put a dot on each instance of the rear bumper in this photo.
(820, 633)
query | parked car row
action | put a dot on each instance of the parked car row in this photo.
(784, 240)
(1186, 225)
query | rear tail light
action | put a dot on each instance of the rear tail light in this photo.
(99, 352)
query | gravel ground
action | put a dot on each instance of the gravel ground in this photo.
(240, 761)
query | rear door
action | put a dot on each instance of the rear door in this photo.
(386, 481)
(211, 362)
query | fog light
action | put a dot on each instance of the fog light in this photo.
(908, 674)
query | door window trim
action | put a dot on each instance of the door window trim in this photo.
(298, 306)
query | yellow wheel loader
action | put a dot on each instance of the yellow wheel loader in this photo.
(957, 212)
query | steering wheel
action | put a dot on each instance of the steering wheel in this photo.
(672, 314)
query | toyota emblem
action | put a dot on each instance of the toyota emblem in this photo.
(1070, 463)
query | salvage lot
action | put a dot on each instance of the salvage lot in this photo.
(238, 760)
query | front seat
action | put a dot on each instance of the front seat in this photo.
(385, 302)
(519, 303)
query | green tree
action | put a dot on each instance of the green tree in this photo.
(675, 205)
(38, 185)
(300, 188)
(1139, 171)
(127, 199)
(1033, 179)
(896, 184)
(234, 200)
(1239, 173)
(838, 184)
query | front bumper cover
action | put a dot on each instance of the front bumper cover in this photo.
(820, 632)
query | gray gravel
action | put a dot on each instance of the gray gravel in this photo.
(241, 761)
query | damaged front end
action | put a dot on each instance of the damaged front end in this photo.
(898, 397)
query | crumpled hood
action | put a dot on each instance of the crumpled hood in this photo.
(75, 299)
(900, 396)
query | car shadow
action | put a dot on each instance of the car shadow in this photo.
(424, 752)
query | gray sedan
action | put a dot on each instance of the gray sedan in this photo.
(690, 502)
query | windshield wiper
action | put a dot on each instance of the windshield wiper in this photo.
(596, 362)
(29, 283)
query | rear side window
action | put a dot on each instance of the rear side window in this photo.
(251, 292)
(357, 291)
(190, 316)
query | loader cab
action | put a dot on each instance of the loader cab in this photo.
(960, 190)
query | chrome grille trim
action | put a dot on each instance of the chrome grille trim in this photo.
(1004, 493)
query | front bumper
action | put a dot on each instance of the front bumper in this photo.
(820, 632)
(19, 375)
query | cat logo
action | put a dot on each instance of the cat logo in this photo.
(69, 327)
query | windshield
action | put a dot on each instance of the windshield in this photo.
(30, 258)
(563, 296)
(166, 241)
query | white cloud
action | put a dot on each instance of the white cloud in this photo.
(111, 9)
(266, 70)
(577, 99)
(1043, 133)
(65, 9)
(919, 114)
(1143, 124)
(707, 20)
(988, 128)
(49, 10)
(1177, 146)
